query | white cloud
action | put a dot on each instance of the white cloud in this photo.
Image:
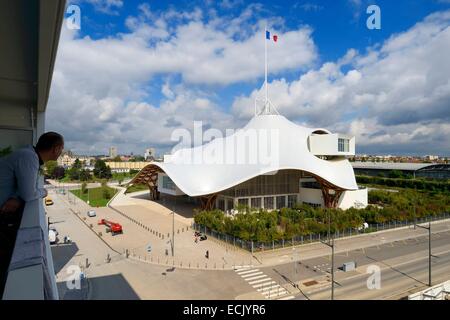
(395, 89)
(394, 96)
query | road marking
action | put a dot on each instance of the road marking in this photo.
(262, 283)
(241, 268)
(269, 288)
(246, 271)
(275, 293)
(259, 285)
(251, 274)
(261, 280)
(256, 277)
(287, 298)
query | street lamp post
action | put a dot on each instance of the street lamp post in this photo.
(429, 250)
(330, 243)
(429, 238)
(173, 232)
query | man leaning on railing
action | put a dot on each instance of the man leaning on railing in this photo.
(19, 183)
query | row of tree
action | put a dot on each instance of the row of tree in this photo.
(422, 184)
(263, 225)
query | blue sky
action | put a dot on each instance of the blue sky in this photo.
(137, 69)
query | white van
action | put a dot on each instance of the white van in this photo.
(91, 213)
(52, 236)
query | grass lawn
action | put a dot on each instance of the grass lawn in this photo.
(96, 195)
(136, 187)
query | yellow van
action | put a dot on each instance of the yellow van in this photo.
(48, 201)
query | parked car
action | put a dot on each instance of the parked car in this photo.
(203, 237)
(48, 201)
(91, 213)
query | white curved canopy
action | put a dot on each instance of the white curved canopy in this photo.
(214, 167)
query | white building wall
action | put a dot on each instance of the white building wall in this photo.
(311, 196)
(327, 144)
(349, 198)
(353, 198)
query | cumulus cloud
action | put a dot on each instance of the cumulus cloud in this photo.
(102, 88)
(394, 97)
(400, 89)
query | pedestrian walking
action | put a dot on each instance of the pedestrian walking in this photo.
(207, 254)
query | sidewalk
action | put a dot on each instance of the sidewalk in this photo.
(143, 227)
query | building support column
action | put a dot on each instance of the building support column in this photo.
(208, 201)
(330, 193)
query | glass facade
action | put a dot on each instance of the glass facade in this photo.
(221, 204)
(256, 202)
(230, 204)
(292, 200)
(243, 201)
(167, 183)
(281, 202)
(284, 182)
(268, 203)
(343, 145)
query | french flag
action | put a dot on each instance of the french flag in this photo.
(274, 37)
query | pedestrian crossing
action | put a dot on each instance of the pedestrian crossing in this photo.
(262, 283)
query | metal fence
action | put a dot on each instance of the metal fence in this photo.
(255, 246)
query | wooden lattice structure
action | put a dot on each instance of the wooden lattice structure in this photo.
(331, 194)
(149, 176)
(208, 202)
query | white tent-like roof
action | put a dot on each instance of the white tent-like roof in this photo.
(195, 174)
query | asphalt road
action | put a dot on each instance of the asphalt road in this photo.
(404, 267)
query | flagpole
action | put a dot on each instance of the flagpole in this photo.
(265, 71)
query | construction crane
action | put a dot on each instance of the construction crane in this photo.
(113, 227)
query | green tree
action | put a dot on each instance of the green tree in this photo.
(77, 164)
(59, 172)
(395, 174)
(50, 167)
(85, 175)
(101, 170)
(84, 188)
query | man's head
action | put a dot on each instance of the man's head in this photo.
(50, 146)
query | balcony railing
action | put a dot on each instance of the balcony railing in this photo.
(31, 275)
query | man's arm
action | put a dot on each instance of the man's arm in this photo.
(26, 175)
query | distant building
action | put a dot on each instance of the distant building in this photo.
(431, 158)
(149, 154)
(112, 152)
(67, 159)
(119, 167)
(424, 170)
